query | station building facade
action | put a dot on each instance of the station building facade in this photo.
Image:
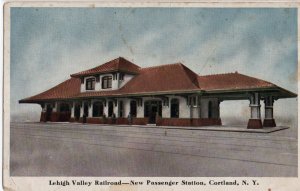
(120, 92)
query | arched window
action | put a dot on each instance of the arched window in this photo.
(210, 109)
(77, 111)
(90, 84)
(97, 109)
(106, 82)
(86, 109)
(133, 108)
(174, 108)
(121, 108)
(64, 107)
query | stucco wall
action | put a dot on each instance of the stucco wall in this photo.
(215, 107)
(184, 109)
(140, 111)
(115, 82)
(127, 78)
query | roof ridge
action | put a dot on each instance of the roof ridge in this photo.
(161, 65)
(191, 75)
(120, 57)
(110, 65)
(258, 79)
(220, 74)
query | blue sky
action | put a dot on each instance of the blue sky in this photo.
(48, 44)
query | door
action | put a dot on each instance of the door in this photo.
(152, 109)
(77, 112)
(153, 113)
(48, 113)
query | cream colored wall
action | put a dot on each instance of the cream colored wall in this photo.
(140, 111)
(215, 107)
(127, 78)
(116, 84)
(184, 109)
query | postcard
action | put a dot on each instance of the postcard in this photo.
(150, 96)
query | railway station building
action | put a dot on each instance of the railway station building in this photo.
(121, 92)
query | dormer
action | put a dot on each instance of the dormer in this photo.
(109, 76)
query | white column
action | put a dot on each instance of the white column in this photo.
(255, 106)
(81, 109)
(55, 108)
(255, 121)
(116, 107)
(72, 110)
(90, 109)
(140, 109)
(105, 109)
(269, 107)
(126, 103)
(166, 109)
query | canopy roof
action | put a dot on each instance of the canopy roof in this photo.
(164, 79)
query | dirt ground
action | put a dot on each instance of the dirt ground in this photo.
(70, 149)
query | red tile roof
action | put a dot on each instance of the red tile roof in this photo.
(163, 78)
(171, 78)
(64, 90)
(118, 64)
(231, 81)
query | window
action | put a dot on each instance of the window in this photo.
(192, 101)
(90, 84)
(64, 107)
(121, 109)
(97, 109)
(133, 108)
(121, 77)
(174, 108)
(110, 108)
(114, 76)
(106, 82)
(147, 107)
(86, 109)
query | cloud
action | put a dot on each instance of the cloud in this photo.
(49, 44)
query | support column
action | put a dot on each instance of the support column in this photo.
(55, 112)
(55, 107)
(43, 113)
(90, 113)
(269, 120)
(140, 109)
(81, 109)
(166, 108)
(72, 110)
(105, 109)
(255, 119)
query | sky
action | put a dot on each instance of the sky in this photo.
(49, 44)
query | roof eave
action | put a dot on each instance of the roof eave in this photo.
(196, 91)
(286, 93)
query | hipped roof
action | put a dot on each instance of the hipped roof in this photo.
(119, 64)
(163, 79)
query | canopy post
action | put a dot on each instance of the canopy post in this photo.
(255, 120)
(269, 121)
